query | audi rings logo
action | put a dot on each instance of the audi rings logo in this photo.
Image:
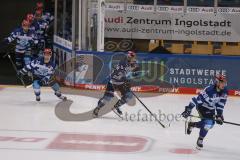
(223, 10)
(123, 45)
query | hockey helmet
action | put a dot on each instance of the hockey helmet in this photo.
(25, 23)
(38, 13)
(39, 5)
(131, 55)
(30, 17)
(220, 78)
(47, 54)
(220, 81)
(47, 51)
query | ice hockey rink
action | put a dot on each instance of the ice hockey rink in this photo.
(46, 131)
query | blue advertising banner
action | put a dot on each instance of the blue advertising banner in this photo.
(161, 69)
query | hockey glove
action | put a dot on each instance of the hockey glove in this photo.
(21, 73)
(44, 81)
(187, 112)
(219, 119)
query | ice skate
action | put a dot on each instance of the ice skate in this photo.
(60, 96)
(38, 98)
(95, 112)
(190, 126)
(117, 110)
(199, 143)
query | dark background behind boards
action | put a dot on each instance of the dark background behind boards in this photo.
(12, 12)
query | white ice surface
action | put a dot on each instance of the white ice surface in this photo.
(22, 117)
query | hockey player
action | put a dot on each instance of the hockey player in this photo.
(41, 27)
(30, 19)
(46, 16)
(42, 70)
(39, 5)
(210, 105)
(119, 81)
(25, 40)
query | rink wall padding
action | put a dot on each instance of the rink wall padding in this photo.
(152, 89)
(183, 74)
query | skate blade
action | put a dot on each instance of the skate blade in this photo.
(63, 98)
(95, 116)
(117, 114)
(198, 148)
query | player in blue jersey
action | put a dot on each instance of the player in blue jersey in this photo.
(42, 70)
(46, 16)
(210, 105)
(30, 19)
(25, 40)
(41, 28)
(119, 81)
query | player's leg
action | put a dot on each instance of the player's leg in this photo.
(126, 97)
(36, 88)
(108, 95)
(56, 87)
(204, 125)
(203, 113)
(27, 60)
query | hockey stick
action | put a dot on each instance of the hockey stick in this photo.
(15, 68)
(139, 74)
(5, 55)
(236, 124)
(148, 109)
(29, 86)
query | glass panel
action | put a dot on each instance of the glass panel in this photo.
(119, 1)
(201, 3)
(77, 24)
(67, 33)
(171, 2)
(60, 18)
(229, 3)
(144, 2)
